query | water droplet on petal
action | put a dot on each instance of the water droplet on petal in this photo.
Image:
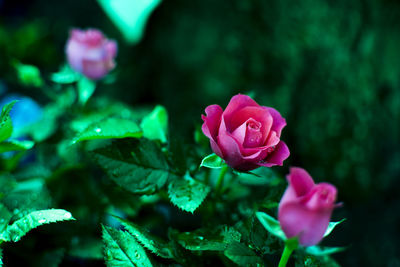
(42, 221)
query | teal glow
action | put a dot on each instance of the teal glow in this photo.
(130, 17)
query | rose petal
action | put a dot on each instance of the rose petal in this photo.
(321, 196)
(212, 121)
(111, 48)
(259, 114)
(237, 102)
(300, 181)
(229, 146)
(75, 52)
(277, 157)
(296, 220)
(279, 122)
(94, 69)
(240, 133)
(273, 139)
(215, 148)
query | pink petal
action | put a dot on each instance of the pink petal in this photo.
(111, 49)
(95, 69)
(257, 113)
(310, 226)
(273, 139)
(75, 52)
(240, 133)
(212, 121)
(279, 122)
(236, 103)
(300, 181)
(321, 196)
(229, 147)
(215, 148)
(277, 157)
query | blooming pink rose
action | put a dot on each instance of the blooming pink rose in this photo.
(90, 53)
(306, 208)
(246, 135)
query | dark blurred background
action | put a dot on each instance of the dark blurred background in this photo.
(332, 68)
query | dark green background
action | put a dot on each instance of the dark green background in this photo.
(332, 68)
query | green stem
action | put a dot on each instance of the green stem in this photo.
(287, 251)
(220, 181)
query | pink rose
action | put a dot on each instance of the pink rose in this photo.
(90, 53)
(306, 208)
(246, 135)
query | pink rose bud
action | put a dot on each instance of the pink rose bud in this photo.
(90, 53)
(246, 135)
(306, 208)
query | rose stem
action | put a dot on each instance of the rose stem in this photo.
(287, 251)
(220, 181)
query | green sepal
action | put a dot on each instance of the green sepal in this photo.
(271, 225)
(86, 89)
(212, 161)
(323, 251)
(332, 226)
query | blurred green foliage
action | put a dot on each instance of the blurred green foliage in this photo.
(331, 68)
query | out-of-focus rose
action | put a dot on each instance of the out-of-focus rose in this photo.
(245, 134)
(90, 53)
(306, 208)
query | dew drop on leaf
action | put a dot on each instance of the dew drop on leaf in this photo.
(137, 255)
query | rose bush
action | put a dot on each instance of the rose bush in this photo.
(306, 208)
(90, 53)
(245, 134)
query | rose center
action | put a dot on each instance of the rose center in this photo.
(253, 134)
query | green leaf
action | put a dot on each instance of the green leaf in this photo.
(65, 75)
(212, 161)
(19, 228)
(28, 195)
(323, 251)
(187, 193)
(16, 145)
(110, 128)
(86, 89)
(271, 225)
(242, 255)
(152, 243)
(5, 121)
(155, 124)
(260, 176)
(28, 75)
(121, 249)
(5, 217)
(130, 17)
(332, 226)
(137, 165)
(217, 239)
